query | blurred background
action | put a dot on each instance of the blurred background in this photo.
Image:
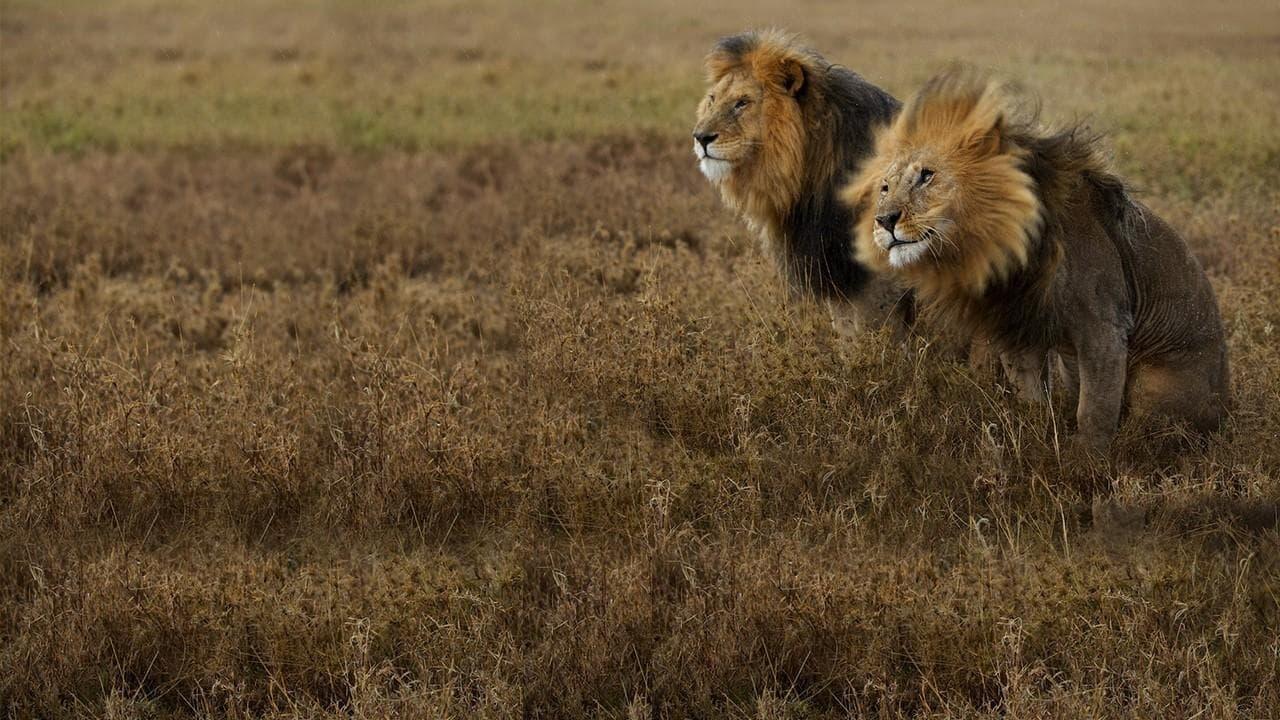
(138, 75)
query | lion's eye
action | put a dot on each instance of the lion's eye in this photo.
(711, 98)
(741, 104)
(925, 176)
(884, 188)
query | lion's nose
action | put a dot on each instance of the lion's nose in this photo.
(888, 220)
(705, 139)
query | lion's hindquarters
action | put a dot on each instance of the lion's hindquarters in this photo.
(1190, 391)
(1180, 368)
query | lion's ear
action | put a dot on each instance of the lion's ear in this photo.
(792, 76)
(990, 141)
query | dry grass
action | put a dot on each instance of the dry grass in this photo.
(492, 411)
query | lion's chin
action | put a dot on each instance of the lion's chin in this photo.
(904, 254)
(716, 170)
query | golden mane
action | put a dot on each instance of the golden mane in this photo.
(815, 127)
(981, 209)
(767, 190)
(966, 122)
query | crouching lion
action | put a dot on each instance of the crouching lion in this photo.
(779, 131)
(1026, 237)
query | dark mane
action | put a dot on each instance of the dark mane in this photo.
(844, 112)
(1067, 170)
(841, 114)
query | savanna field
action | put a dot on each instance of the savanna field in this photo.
(394, 360)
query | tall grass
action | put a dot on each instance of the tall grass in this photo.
(328, 409)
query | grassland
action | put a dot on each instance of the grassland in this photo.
(394, 361)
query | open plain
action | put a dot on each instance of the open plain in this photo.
(393, 359)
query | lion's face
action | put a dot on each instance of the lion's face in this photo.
(750, 127)
(731, 125)
(914, 209)
(947, 200)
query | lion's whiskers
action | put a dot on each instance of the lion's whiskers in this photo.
(932, 232)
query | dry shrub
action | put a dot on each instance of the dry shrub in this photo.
(537, 434)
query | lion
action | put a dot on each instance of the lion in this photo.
(1025, 236)
(778, 132)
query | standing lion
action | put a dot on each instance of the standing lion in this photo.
(1027, 237)
(778, 132)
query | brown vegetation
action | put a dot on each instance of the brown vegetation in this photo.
(527, 427)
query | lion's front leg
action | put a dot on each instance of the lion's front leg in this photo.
(1101, 360)
(1069, 372)
(880, 303)
(845, 318)
(1029, 372)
